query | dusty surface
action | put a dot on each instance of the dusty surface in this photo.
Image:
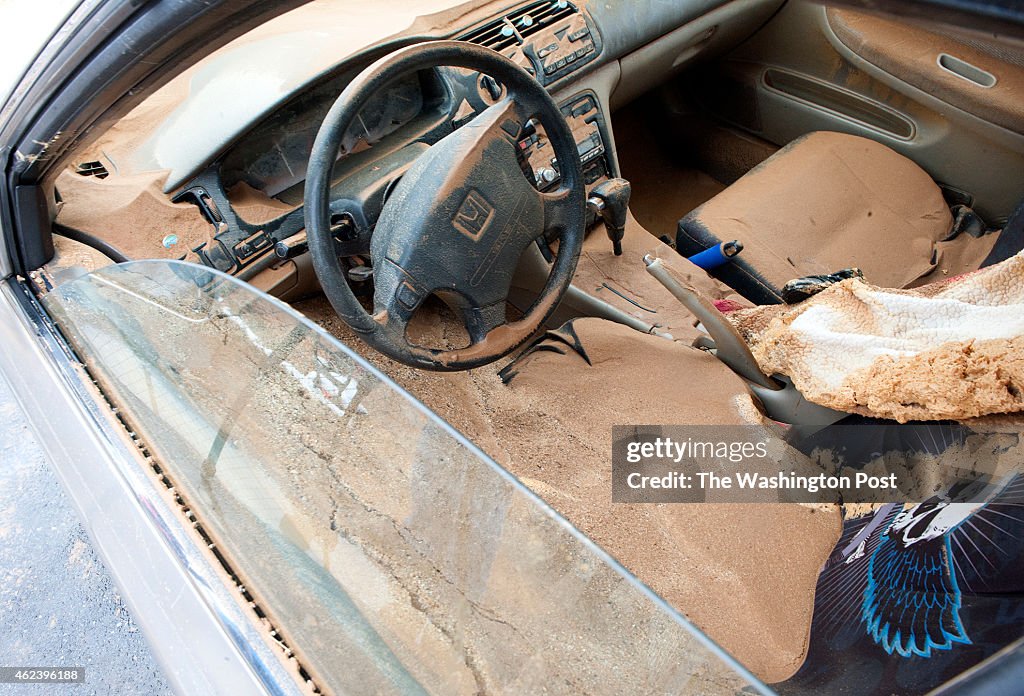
(830, 201)
(609, 277)
(58, 604)
(957, 256)
(132, 213)
(732, 569)
(946, 351)
(205, 104)
(71, 260)
(255, 206)
(909, 51)
(729, 568)
(475, 401)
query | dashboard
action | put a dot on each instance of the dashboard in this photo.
(273, 156)
(265, 151)
(548, 38)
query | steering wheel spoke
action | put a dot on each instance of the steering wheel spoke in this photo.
(556, 205)
(393, 311)
(480, 321)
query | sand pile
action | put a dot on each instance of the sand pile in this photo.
(132, 213)
(951, 350)
(743, 573)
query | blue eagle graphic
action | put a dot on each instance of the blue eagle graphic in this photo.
(900, 574)
(912, 600)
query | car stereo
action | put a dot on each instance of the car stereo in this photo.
(583, 114)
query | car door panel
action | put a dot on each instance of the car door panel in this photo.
(971, 79)
(798, 75)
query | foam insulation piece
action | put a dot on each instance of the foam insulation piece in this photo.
(949, 350)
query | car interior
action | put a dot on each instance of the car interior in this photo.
(496, 204)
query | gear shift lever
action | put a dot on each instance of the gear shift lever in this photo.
(610, 200)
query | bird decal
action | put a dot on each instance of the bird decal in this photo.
(912, 600)
(915, 593)
(900, 574)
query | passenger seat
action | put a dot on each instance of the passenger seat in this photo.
(825, 202)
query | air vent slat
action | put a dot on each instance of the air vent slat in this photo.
(95, 169)
(490, 36)
(541, 14)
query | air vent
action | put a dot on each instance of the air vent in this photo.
(95, 169)
(497, 35)
(538, 15)
(512, 29)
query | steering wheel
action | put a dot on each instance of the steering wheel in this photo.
(457, 222)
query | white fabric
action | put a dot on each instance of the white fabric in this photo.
(913, 348)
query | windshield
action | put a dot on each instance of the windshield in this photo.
(390, 554)
(206, 107)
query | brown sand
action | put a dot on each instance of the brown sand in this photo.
(255, 206)
(730, 568)
(745, 574)
(959, 255)
(72, 258)
(132, 213)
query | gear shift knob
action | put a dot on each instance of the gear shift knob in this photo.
(610, 200)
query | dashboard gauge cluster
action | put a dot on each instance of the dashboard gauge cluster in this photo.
(272, 158)
(397, 123)
(549, 38)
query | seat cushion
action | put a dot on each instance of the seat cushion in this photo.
(825, 202)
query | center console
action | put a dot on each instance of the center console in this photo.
(551, 39)
(548, 38)
(583, 114)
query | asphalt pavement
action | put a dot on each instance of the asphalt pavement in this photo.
(58, 604)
